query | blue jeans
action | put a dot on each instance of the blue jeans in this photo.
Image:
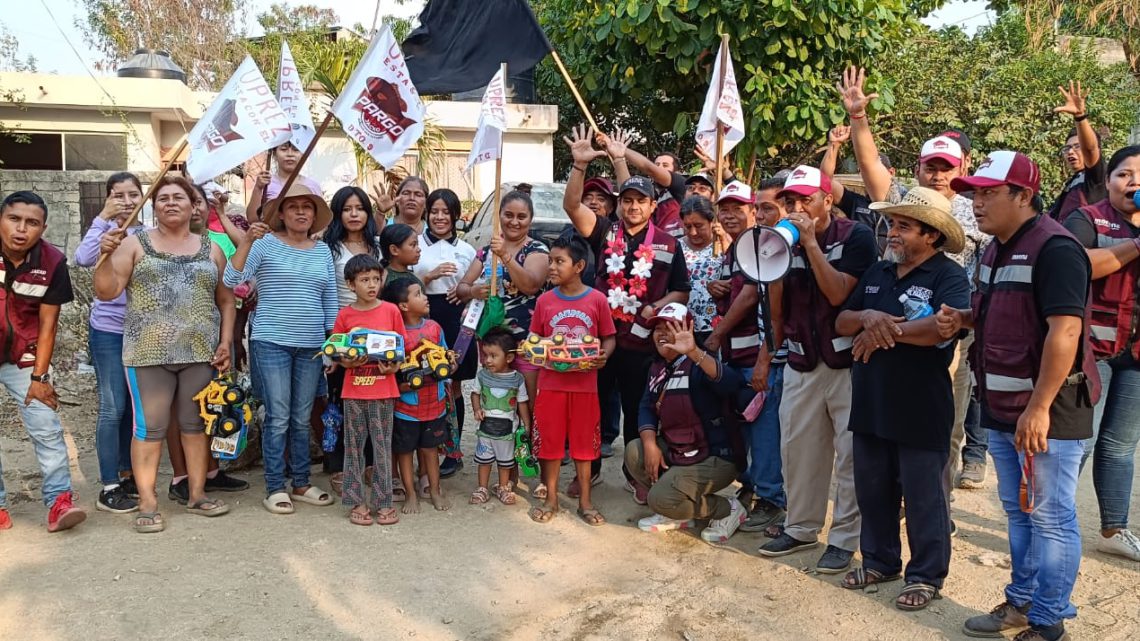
(765, 472)
(42, 425)
(1116, 431)
(974, 451)
(114, 425)
(1045, 546)
(287, 379)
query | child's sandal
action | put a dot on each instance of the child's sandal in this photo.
(505, 494)
(540, 491)
(399, 494)
(387, 516)
(480, 496)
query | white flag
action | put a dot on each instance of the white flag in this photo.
(722, 108)
(244, 121)
(379, 107)
(291, 95)
(488, 143)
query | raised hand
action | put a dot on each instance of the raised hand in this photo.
(683, 340)
(616, 143)
(256, 231)
(111, 241)
(581, 145)
(1075, 100)
(851, 91)
(839, 135)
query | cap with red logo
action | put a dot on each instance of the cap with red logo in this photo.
(1002, 168)
(675, 312)
(942, 148)
(597, 183)
(805, 181)
(737, 191)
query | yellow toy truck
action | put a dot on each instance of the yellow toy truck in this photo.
(427, 359)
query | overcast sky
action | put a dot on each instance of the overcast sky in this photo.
(39, 35)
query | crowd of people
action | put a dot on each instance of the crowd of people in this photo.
(914, 330)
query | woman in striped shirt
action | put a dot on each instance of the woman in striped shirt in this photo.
(296, 308)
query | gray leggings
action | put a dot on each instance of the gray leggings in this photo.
(160, 391)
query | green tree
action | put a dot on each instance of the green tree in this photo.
(999, 90)
(1045, 20)
(282, 18)
(649, 61)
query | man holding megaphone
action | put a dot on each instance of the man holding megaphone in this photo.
(825, 264)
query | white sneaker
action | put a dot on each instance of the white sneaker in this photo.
(660, 523)
(720, 530)
(1124, 543)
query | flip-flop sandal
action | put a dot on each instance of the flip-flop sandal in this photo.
(926, 592)
(505, 494)
(336, 482)
(278, 503)
(541, 514)
(425, 488)
(591, 517)
(480, 496)
(540, 491)
(356, 518)
(865, 578)
(387, 516)
(313, 496)
(218, 508)
(157, 524)
(399, 494)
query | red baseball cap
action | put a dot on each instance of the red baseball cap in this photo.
(597, 183)
(805, 181)
(1002, 168)
(943, 148)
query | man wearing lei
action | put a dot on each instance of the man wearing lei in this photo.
(640, 269)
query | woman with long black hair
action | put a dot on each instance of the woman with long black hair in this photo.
(353, 231)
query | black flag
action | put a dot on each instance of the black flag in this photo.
(460, 44)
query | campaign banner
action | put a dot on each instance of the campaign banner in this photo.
(488, 143)
(291, 96)
(722, 109)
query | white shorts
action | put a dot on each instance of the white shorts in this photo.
(492, 450)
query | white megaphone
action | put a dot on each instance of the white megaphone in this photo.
(765, 253)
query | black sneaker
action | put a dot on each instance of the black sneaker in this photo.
(116, 501)
(834, 560)
(450, 467)
(762, 515)
(130, 487)
(785, 544)
(225, 483)
(180, 492)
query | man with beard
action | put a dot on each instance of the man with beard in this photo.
(1082, 153)
(902, 406)
(941, 160)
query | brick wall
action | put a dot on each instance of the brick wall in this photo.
(60, 190)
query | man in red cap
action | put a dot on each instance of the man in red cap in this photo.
(941, 160)
(598, 195)
(1037, 383)
(827, 262)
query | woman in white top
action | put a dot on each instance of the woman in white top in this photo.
(444, 258)
(352, 231)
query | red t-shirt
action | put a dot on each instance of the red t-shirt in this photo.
(574, 317)
(365, 383)
(430, 401)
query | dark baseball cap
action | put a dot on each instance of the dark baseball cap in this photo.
(699, 177)
(640, 184)
(597, 183)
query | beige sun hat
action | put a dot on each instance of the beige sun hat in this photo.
(297, 190)
(928, 206)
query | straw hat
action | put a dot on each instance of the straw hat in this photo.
(297, 190)
(928, 206)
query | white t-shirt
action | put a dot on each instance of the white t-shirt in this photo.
(344, 295)
(432, 255)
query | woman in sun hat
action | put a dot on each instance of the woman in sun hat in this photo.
(296, 307)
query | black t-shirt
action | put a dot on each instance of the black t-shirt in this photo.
(1089, 184)
(1060, 288)
(678, 272)
(676, 188)
(904, 394)
(857, 207)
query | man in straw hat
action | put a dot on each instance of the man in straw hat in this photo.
(902, 402)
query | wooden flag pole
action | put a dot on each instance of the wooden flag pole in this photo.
(574, 90)
(495, 223)
(300, 163)
(752, 169)
(719, 179)
(153, 188)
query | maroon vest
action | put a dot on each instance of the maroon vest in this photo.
(1010, 331)
(742, 344)
(679, 424)
(809, 318)
(635, 336)
(1112, 323)
(667, 217)
(21, 302)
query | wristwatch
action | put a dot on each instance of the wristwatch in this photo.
(42, 378)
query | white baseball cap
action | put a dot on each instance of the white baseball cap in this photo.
(675, 312)
(805, 181)
(737, 191)
(944, 148)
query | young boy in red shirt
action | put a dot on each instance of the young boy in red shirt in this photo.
(567, 404)
(369, 394)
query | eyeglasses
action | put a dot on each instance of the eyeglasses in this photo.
(1028, 492)
(1067, 148)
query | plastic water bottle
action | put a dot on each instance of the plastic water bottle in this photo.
(915, 309)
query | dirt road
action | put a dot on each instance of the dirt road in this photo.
(473, 573)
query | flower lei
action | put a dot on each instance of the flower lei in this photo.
(624, 291)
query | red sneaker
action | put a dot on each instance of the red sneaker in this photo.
(64, 515)
(5, 520)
